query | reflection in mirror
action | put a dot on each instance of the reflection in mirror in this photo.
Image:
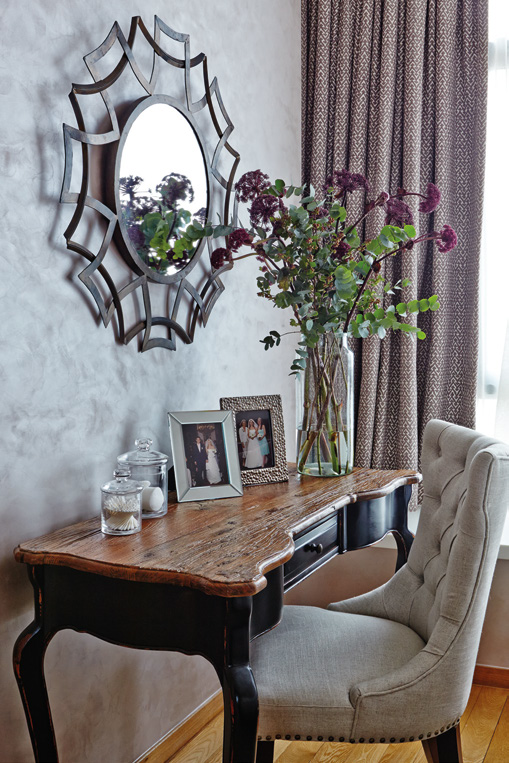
(162, 187)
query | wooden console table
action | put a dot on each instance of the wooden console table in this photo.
(206, 579)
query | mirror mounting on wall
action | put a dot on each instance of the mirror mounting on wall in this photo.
(156, 172)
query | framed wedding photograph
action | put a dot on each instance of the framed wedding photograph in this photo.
(205, 456)
(260, 436)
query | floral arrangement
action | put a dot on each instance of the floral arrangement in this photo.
(313, 261)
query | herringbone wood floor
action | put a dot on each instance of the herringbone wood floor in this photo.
(484, 733)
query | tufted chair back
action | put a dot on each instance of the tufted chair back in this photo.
(456, 546)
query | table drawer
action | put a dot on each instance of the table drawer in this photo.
(313, 547)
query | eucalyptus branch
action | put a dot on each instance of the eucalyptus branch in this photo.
(357, 298)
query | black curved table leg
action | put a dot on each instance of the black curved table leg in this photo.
(239, 688)
(402, 535)
(28, 658)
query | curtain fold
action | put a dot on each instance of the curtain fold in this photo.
(396, 90)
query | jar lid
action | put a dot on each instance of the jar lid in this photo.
(143, 456)
(122, 484)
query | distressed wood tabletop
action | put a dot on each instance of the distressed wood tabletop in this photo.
(221, 547)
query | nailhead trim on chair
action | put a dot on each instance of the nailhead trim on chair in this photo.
(362, 740)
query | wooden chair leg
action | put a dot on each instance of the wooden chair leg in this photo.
(265, 752)
(445, 748)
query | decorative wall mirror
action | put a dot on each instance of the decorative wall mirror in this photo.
(152, 161)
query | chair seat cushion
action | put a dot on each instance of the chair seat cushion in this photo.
(305, 668)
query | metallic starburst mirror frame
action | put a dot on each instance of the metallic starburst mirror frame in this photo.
(193, 301)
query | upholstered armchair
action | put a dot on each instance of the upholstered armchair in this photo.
(396, 664)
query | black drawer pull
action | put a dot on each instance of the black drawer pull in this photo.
(318, 547)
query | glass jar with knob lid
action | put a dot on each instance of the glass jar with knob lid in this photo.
(121, 504)
(150, 469)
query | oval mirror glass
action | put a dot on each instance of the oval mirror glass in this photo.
(162, 187)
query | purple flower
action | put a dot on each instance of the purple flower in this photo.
(398, 213)
(251, 184)
(219, 257)
(319, 213)
(343, 180)
(137, 236)
(446, 239)
(432, 199)
(340, 250)
(263, 208)
(239, 237)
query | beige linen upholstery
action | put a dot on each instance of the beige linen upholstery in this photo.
(396, 664)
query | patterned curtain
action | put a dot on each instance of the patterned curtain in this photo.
(396, 90)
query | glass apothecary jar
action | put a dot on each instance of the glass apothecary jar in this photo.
(150, 469)
(121, 504)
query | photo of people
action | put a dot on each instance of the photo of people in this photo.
(254, 439)
(205, 455)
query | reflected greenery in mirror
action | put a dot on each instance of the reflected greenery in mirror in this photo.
(156, 222)
(162, 186)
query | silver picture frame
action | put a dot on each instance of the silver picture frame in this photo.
(191, 484)
(271, 405)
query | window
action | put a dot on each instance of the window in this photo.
(493, 381)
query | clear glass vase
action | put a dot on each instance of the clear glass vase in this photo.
(324, 404)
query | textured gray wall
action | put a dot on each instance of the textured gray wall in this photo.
(72, 399)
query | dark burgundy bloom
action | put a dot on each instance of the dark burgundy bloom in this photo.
(340, 250)
(343, 180)
(446, 239)
(398, 213)
(319, 212)
(239, 237)
(263, 208)
(219, 256)
(251, 184)
(432, 199)
(137, 236)
(174, 188)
